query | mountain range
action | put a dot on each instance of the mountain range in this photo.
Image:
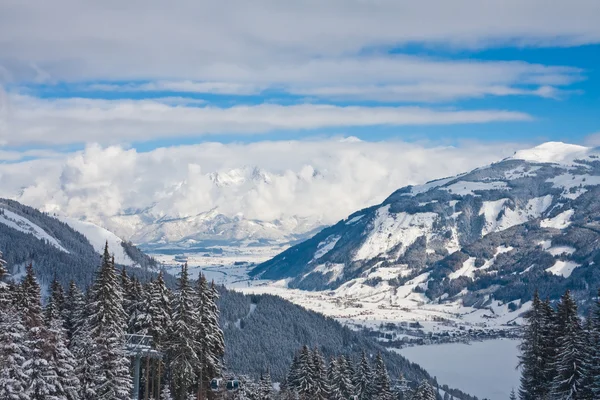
(498, 232)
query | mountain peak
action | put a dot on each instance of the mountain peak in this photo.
(552, 152)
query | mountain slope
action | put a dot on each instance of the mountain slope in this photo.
(532, 219)
(55, 248)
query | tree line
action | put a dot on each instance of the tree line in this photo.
(560, 352)
(311, 378)
(74, 347)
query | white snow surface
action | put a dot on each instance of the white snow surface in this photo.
(468, 269)
(553, 152)
(561, 221)
(326, 246)
(390, 230)
(464, 188)
(337, 271)
(354, 219)
(559, 250)
(574, 185)
(22, 224)
(563, 268)
(492, 209)
(98, 236)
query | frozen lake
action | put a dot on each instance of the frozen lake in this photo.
(483, 369)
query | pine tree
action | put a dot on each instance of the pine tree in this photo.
(548, 333)
(42, 380)
(159, 309)
(74, 310)
(266, 386)
(293, 376)
(107, 328)
(305, 373)
(593, 351)
(56, 302)
(402, 389)
(364, 379)
(88, 362)
(532, 360)
(321, 384)
(62, 362)
(3, 271)
(165, 394)
(183, 344)
(381, 384)
(13, 350)
(210, 341)
(424, 392)
(335, 381)
(571, 346)
(513, 395)
(347, 375)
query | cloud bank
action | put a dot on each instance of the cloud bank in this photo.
(321, 180)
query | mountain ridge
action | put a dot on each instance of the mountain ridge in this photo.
(452, 229)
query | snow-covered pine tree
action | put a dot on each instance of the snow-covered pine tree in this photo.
(165, 393)
(593, 367)
(183, 344)
(88, 361)
(293, 375)
(56, 302)
(266, 386)
(402, 390)
(73, 311)
(160, 321)
(381, 381)
(513, 395)
(138, 317)
(3, 270)
(335, 381)
(13, 350)
(321, 383)
(210, 336)
(107, 327)
(424, 392)
(549, 345)
(62, 361)
(347, 375)
(364, 379)
(586, 390)
(41, 378)
(532, 358)
(569, 360)
(305, 373)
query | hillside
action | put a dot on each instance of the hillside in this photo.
(56, 248)
(532, 220)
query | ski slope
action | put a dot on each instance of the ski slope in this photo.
(98, 237)
(22, 224)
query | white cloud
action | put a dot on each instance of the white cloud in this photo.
(212, 41)
(75, 120)
(383, 78)
(323, 180)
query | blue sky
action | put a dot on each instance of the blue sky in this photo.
(499, 72)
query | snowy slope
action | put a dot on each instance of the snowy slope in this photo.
(496, 232)
(98, 237)
(22, 224)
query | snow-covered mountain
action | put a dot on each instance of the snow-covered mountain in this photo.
(532, 220)
(159, 226)
(64, 247)
(98, 237)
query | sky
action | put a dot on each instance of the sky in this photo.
(80, 79)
